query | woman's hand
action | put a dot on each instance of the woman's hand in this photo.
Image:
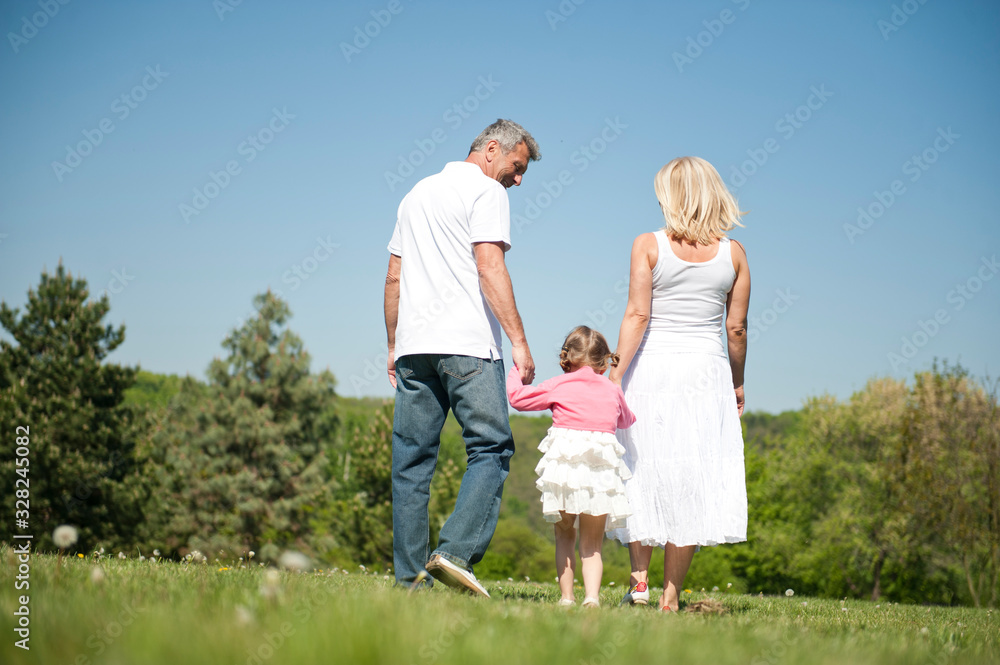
(740, 400)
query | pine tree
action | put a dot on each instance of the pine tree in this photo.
(82, 468)
(241, 462)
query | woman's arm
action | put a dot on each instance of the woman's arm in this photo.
(737, 305)
(640, 294)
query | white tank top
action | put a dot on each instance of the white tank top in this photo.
(689, 301)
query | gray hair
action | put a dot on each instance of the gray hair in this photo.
(508, 134)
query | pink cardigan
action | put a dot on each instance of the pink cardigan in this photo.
(583, 400)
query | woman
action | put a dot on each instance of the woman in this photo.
(685, 452)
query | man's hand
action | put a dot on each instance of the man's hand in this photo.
(740, 400)
(392, 367)
(524, 363)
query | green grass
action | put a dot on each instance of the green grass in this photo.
(173, 613)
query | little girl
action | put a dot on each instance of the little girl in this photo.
(581, 471)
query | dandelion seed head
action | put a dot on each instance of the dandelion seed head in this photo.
(715, 588)
(292, 560)
(97, 575)
(243, 616)
(729, 585)
(65, 536)
(789, 592)
(156, 552)
(121, 555)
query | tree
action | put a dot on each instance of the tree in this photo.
(240, 463)
(950, 473)
(82, 461)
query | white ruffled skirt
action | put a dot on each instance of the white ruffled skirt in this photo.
(685, 452)
(582, 472)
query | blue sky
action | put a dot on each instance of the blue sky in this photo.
(188, 155)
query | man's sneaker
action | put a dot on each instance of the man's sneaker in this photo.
(446, 572)
(637, 595)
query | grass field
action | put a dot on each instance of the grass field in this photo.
(164, 612)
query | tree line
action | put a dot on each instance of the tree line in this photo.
(893, 493)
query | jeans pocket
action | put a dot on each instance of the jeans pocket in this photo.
(462, 367)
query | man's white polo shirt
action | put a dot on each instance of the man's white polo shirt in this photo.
(441, 305)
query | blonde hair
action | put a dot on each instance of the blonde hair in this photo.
(695, 202)
(584, 346)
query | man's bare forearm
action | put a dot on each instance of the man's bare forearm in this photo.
(392, 300)
(499, 291)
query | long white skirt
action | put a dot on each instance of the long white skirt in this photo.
(582, 473)
(685, 452)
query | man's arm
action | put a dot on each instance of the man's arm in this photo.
(392, 311)
(494, 280)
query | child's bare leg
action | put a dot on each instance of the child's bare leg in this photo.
(566, 554)
(676, 561)
(591, 540)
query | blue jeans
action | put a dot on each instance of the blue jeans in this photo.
(427, 385)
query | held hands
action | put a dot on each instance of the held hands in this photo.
(523, 362)
(740, 400)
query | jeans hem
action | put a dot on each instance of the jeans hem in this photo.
(462, 563)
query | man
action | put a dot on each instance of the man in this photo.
(447, 294)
